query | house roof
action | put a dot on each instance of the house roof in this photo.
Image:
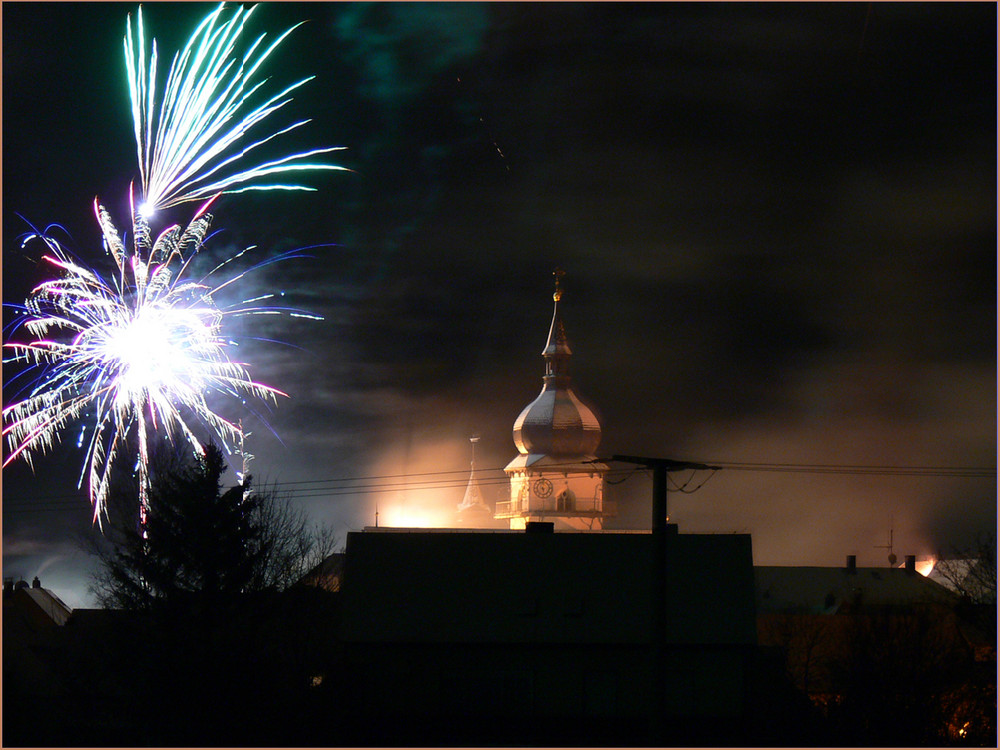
(328, 574)
(459, 587)
(50, 604)
(828, 590)
(41, 605)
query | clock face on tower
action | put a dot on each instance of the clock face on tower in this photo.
(543, 487)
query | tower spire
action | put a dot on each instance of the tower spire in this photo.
(557, 351)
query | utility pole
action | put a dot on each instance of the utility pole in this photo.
(660, 467)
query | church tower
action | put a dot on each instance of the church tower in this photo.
(555, 476)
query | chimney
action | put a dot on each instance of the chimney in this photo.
(852, 564)
(539, 527)
(8, 584)
(911, 564)
(36, 584)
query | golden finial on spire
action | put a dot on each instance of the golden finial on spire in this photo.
(558, 273)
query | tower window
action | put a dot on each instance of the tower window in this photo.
(566, 500)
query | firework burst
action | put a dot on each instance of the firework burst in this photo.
(142, 353)
(135, 355)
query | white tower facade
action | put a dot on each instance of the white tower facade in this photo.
(556, 476)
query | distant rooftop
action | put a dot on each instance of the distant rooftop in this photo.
(820, 590)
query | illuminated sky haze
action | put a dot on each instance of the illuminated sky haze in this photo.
(777, 222)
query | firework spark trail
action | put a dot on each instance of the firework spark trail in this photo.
(187, 145)
(140, 353)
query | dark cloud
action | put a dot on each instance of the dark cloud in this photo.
(402, 50)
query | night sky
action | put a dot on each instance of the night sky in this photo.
(777, 223)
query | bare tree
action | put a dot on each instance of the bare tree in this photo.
(296, 545)
(972, 572)
(897, 673)
(807, 642)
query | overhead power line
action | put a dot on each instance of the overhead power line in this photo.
(456, 479)
(854, 469)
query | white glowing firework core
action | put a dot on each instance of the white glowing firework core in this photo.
(141, 352)
(151, 351)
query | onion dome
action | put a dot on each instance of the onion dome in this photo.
(558, 422)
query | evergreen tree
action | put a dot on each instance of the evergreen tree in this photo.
(203, 545)
(212, 635)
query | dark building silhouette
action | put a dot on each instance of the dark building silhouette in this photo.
(544, 636)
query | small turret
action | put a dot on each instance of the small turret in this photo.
(474, 511)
